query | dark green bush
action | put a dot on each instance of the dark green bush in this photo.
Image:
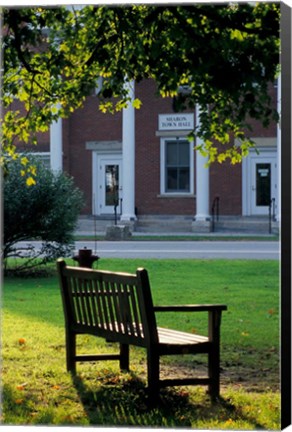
(46, 211)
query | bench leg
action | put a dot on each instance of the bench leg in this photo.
(71, 352)
(153, 376)
(214, 373)
(214, 354)
(124, 357)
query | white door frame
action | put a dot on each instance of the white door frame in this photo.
(249, 206)
(99, 161)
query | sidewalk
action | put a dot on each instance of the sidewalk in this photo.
(88, 226)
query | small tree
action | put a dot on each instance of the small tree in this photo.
(46, 211)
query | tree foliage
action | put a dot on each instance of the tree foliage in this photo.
(226, 55)
(46, 211)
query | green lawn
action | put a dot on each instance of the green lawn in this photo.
(37, 389)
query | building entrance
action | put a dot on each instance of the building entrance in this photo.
(107, 188)
(261, 183)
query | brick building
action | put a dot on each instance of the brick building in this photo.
(142, 161)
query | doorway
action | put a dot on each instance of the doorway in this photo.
(260, 180)
(107, 185)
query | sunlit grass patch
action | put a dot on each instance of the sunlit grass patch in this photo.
(38, 390)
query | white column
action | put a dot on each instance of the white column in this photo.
(128, 136)
(278, 214)
(56, 146)
(202, 181)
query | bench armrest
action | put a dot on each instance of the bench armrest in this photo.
(214, 316)
(191, 308)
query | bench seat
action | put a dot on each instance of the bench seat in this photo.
(174, 337)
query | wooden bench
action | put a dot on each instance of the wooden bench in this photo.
(119, 308)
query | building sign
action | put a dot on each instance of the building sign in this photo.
(175, 122)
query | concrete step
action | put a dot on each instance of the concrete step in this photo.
(252, 224)
(91, 225)
(164, 224)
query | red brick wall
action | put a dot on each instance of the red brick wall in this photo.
(148, 199)
(43, 139)
(226, 183)
(87, 124)
(226, 179)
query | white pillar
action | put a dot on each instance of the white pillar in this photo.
(201, 222)
(128, 136)
(202, 180)
(278, 214)
(56, 146)
(202, 188)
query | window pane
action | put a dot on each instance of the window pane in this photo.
(171, 179)
(184, 179)
(177, 166)
(111, 184)
(263, 184)
(178, 180)
(184, 153)
(171, 153)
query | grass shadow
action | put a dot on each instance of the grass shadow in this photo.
(121, 400)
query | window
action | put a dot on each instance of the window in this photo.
(176, 166)
(43, 156)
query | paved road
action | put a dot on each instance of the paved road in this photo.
(183, 249)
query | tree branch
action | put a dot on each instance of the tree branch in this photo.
(17, 41)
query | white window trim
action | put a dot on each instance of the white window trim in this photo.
(40, 155)
(33, 153)
(162, 168)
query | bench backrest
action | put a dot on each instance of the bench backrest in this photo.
(117, 306)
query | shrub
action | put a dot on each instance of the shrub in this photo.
(46, 211)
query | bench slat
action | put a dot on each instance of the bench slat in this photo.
(168, 336)
(135, 311)
(95, 313)
(89, 302)
(109, 290)
(72, 287)
(98, 300)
